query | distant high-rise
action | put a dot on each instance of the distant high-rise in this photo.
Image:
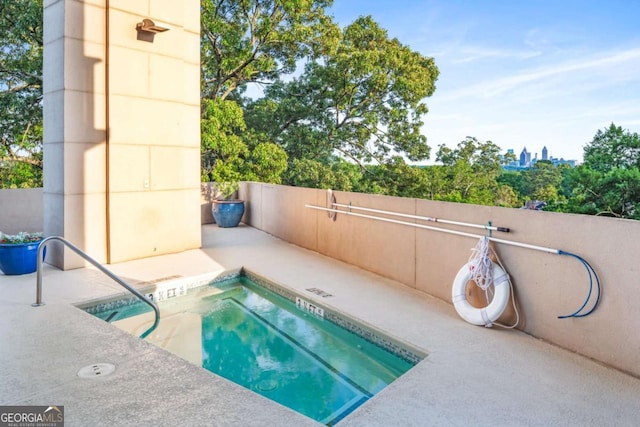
(545, 153)
(525, 158)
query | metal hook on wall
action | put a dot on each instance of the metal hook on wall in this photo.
(331, 200)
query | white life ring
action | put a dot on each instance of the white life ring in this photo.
(489, 314)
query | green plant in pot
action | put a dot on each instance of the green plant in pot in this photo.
(19, 252)
(227, 210)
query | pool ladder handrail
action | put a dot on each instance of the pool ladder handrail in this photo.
(100, 267)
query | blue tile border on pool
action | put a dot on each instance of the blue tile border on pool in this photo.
(350, 325)
(183, 283)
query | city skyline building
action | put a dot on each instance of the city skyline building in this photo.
(528, 159)
(525, 158)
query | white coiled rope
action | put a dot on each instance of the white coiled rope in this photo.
(482, 273)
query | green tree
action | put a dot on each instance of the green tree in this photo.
(266, 163)
(612, 193)
(608, 182)
(226, 156)
(21, 93)
(251, 42)
(363, 101)
(508, 158)
(314, 174)
(516, 181)
(611, 148)
(20, 175)
(543, 182)
(223, 150)
(505, 196)
(437, 185)
(471, 173)
(396, 178)
(256, 41)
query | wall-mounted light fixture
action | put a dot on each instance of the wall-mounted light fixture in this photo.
(151, 27)
(147, 29)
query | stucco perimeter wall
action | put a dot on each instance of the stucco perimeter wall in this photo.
(21, 210)
(546, 285)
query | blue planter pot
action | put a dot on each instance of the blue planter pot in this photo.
(20, 258)
(227, 213)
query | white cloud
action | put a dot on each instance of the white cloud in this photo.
(497, 87)
(471, 54)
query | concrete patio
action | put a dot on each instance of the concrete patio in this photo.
(472, 375)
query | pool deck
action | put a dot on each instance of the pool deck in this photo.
(472, 375)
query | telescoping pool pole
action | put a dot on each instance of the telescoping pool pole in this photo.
(424, 218)
(590, 271)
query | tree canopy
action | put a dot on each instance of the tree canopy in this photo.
(612, 148)
(363, 101)
(608, 182)
(329, 94)
(470, 171)
(21, 93)
(256, 41)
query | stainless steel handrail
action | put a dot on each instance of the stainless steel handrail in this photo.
(100, 267)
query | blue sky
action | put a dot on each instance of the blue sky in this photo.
(520, 72)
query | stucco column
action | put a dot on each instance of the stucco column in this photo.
(121, 128)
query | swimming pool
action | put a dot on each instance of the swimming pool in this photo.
(284, 350)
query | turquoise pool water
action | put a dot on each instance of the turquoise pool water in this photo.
(270, 345)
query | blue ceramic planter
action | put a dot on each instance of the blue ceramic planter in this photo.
(227, 213)
(20, 258)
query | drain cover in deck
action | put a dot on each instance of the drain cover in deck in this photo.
(96, 370)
